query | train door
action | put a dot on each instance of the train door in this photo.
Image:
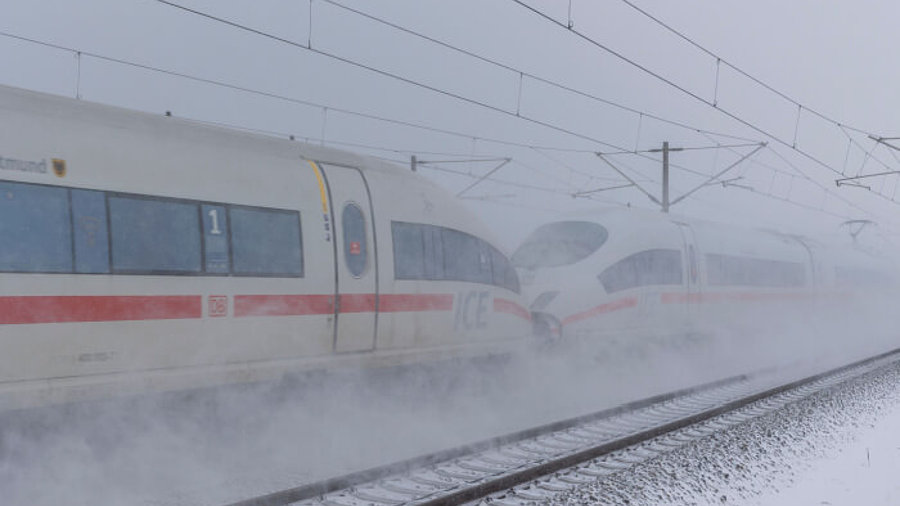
(692, 272)
(356, 304)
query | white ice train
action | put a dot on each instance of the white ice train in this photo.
(625, 274)
(142, 252)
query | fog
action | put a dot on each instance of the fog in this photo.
(218, 446)
(808, 80)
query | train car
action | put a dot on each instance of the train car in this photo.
(143, 253)
(631, 276)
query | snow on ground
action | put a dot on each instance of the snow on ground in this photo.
(244, 443)
(254, 442)
(866, 471)
(812, 452)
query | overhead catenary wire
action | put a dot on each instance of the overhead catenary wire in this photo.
(687, 148)
(388, 74)
(675, 85)
(568, 166)
(463, 157)
(523, 73)
(801, 107)
(869, 154)
(400, 78)
(811, 180)
(287, 135)
(721, 60)
(515, 184)
(345, 111)
(275, 96)
(798, 172)
(284, 98)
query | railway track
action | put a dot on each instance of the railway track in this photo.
(572, 452)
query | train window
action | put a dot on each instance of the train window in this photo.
(266, 242)
(91, 233)
(560, 243)
(745, 271)
(438, 253)
(215, 239)
(651, 267)
(409, 250)
(692, 264)
(354, 226)
(466, 258)
(154, 236)
(434, 252)
(504, 274)
(860, 277)
(35, 228)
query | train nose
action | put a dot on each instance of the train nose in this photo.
(546, 326)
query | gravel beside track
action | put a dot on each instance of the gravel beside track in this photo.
(745, 462)
(558, 462)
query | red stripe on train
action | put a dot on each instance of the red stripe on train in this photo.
(357, 302)
(713, 297)
(98, 308)
(90, 308)
(282, 305)
(601, 309)
(510, 307)
(684, 298)
(292, 305)
(396, 303)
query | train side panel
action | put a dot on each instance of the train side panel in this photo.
(443, 282)
(100, 322)
(157, 254)
(622, 287)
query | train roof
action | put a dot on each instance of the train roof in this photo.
(650, 220)
(211, 143)
(56, 106)
(622, 216)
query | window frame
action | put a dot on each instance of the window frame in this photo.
(233, 273)
(156, 272)
(69, 224)
(107, 194)
(437, 244)
(365, 238)
(638, 284)
(752, 265)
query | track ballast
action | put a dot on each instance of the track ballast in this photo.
(513, 469)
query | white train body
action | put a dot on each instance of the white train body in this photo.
(625, 274)
(144, 252)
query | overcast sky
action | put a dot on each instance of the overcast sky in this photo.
(833, 57)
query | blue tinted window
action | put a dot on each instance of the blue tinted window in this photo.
(215, 237)
(738, 270)
(35, 229)
(436, 253)
(409, 250)
(154, 236)
(91, 237)
(354, 224)
(651, 267)
(266, 242)
(465, 257)
(504, 274)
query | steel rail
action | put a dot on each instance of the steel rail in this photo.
(576, 440)
(312, 490)
(511, 480)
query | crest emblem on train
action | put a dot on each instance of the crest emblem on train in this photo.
(59, 167)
